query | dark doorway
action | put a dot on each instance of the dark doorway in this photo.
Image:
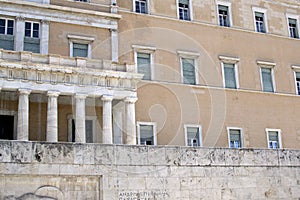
(6, 127)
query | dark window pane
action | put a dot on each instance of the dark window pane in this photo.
(2, 26)
(27, 29)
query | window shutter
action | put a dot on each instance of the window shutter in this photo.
(223, 8)
(229, 72)
(235, 135)
(193, 136)
(292, 21)
(259, 14)
(7, 42)
(298, 76)
(32, 44)
(273, 136)
(267, 80)
(188, 70)
(186, 2)
(146, 134)
(143, 65)
(80, 50)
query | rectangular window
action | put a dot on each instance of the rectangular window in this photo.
(267, 80)
(193, 135)
(297, 74)
(90, 129)
(230, 79)
(184, 9)
(223, 15)
(80, 50)
(144, 65)
(273, 137)
(146, 133)
(7, 34)
(32, 34)
(141, 6)
(293, 28)
(260, 22)
(235, 138)
(188, 71)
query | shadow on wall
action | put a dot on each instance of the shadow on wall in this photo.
(46, 192)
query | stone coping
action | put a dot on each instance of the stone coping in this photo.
(136, 155)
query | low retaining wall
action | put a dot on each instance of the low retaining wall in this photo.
(97, 171)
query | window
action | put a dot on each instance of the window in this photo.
(230, 75)
(141, 6)
(184, 11)
(188, 71)
(82, 0)
(7, 34)
(293, 27)
(143, 65)
(297, 76)
(80, 46)
(90, 129)
(146, 133)
(143, 57)
(235, 137)
(224, 15)
(193, 135)
(260, 19)
(274, 138)
(32, 34)
(267, 79)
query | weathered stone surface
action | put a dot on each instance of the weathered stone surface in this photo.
(88, 171)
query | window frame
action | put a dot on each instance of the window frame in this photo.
(80, 40)
(71, 117)
(279, 137)
(271, 66)
(189, 55)
(190, 11)
(264, 11)
(146, 50)
(234, 61)
(6, 25)
(241, 136)
(296, 17)
(154, 124)
(227, 4)
(31, 29)
(186, 126)
(296, 69)
(147, 7)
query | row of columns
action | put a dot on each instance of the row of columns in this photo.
(52, 118)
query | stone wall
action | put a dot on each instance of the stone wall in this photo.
(31, 170)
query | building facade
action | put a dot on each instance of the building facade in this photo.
(149, 72)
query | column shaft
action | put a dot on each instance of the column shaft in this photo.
(44, 42)
(80, 118)
(107, 135)
(19, 34)
(52, 115)
(130, 120)
(23, 115)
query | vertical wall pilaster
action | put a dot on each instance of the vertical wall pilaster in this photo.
(44, 40)
(19, 33)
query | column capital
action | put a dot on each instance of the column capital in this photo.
(20, 18)
(24, 91)
(130, 99)
(53, 93)
(107, 97)
(80, 96)
(44, 21)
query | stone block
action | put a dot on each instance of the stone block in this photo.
(131, 155)
(52, 153)
(5, 151)
(251, 157)
(136, 183)
(155, 183)
(104, 154)
(173, 155)
(84, 153)
(21, 152)
(194, 156)
(156, 155)
(232, 157)
(289, 157)
(218, 157)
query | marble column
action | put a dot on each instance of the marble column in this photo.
(44, 41)
(23, 115)
(130, 128)
(19, 34)
(80, 118)
(107, 134)
(114, 43)
(52, 117)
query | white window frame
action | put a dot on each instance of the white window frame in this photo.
(6, 25)
(234, 61)
(241, 132)
(144, 49)
(228, 4)
(71, 117)
(190, 10)
(270, 65)
(296, 17)
(154, 124)
(279, 136)
(186, 126)
(264, 11)
(147, 10)
(31, 29)
(189, 55)
(80, 40)
(296, 69)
